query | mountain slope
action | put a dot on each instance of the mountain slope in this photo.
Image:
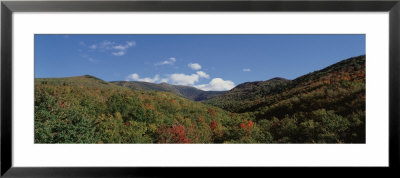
(325, 106)
(180, 90)
(247, 96)
(333, 97)
(238, 98)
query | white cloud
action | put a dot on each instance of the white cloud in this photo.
(164, 80)
(217, 84)
(170, 61)
(203, 74)
(133, 76)
(120, 47)
(119, 53)
(131, 43)
(136, 77)
(194, 66)
(124, 47)
(182, 79)
(117, 49)
(246, 70)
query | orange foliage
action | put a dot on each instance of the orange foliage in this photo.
(149, 106)
(201, 119)
(173, 101)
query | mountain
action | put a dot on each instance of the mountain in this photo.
(188, 92)
(324, 106)
(250, 95)
(238, 98)
(333, 97)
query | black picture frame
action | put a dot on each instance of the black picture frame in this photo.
(8, 7)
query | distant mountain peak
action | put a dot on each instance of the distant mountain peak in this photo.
(277, 78)
(188, 92)
(89, 76)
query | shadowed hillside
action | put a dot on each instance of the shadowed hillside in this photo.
(180, 90)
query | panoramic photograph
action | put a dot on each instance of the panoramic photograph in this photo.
(199, 88)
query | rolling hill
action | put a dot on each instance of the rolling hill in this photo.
(80, 81)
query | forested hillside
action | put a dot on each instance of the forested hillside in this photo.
(325, 106)
(86, 110)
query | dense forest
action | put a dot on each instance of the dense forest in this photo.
(325, 106)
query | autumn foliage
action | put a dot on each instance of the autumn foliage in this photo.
(326, 106)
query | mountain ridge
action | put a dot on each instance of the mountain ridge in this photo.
(188, 92)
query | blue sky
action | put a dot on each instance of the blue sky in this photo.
(208, 62)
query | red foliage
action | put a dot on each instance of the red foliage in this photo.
(242, 125)
(250, 124)
(174, 134)
(213, 125)
(247, 126)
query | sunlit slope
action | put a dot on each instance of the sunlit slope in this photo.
(88, 110)
(333, 97)
(79, 81)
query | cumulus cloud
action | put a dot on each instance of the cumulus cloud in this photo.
(183, 79)
(194, 66)
(136, 77)
(170, 61)
(164, 80)
(217, 84)
(246, 70)
(202, 74)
